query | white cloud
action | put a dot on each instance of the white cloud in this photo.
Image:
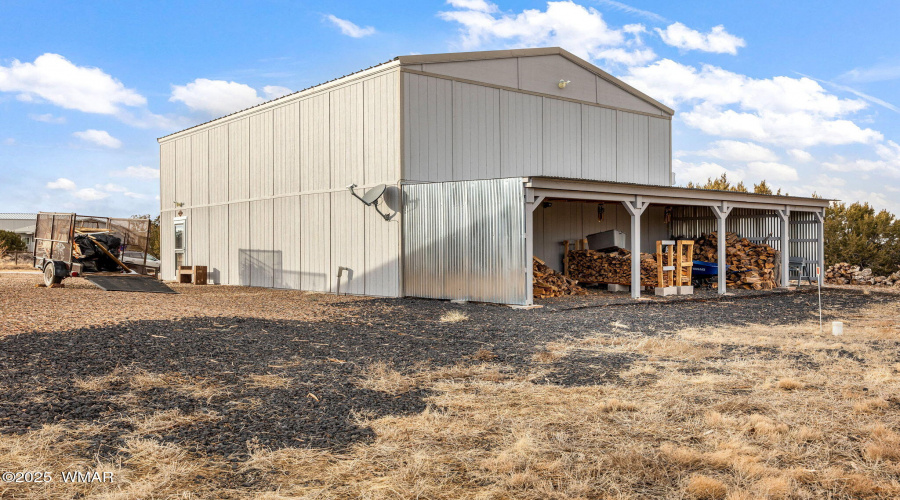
(888, 162)
(738, 151)
(632, 10)
(62, 183)
(274, 91)
(699, 172)
(138, 172)
(878, 73)
(53, 78)
(476, 5)
(352, 30)
(90, 194)
(717, 40)
(215, 97)
(579, 29)
(771, 171)
(47, 118)
(675, 83)
(794, 112)
(112, 188)
(799, 155)
(790, 129)
(99, 137)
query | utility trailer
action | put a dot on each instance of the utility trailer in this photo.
(67, 244)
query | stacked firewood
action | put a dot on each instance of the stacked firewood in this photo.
(592, 266)
(751, 265)
(843, 273)
(549, 283)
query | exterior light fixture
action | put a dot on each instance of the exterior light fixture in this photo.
(178, 203)
(562, 83)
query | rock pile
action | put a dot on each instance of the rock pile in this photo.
(843, 273)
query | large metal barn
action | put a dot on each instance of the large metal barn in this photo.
(488, 158)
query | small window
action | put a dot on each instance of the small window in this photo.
(179, 236)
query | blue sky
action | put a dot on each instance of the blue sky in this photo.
(804, 94)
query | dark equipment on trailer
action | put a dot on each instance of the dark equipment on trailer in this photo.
(67, 244)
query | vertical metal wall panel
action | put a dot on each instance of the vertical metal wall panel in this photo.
(598, 143)
(660, 152)
(183, 170)
(349, 243)
(562, 138)
(641, 151)
(476, 131)
(465, 240)
(347, 123)
(217, 266)
(239, 244)
(428, 119)
(199, 237)
(625, 145)
(286, 123)
(167, 175)
(424, 240)
(167, 244)
(315, 241)
(804, 235)
(381, 134)
(200, 168)
(521, 131)
(262, 149)
(263, 260)
(287, 242)
(239, 161)
(218, 164)
(382, 249)
(315, 165)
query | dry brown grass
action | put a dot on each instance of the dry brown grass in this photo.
(454, 317)
(735, 413)
(269, 381)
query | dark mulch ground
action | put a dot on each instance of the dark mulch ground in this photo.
(323, 359)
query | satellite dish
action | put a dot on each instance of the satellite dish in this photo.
(373, 194)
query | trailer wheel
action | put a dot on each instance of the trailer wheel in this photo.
(50, 276)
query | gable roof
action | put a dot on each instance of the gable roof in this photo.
(542, 51)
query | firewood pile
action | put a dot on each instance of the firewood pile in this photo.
(549, 283)
(845, 274)
(754, 264)
(593, 266)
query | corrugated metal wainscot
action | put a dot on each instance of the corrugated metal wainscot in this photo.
(464, 240)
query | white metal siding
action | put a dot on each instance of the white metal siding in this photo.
(428, 130)
(183, 170)
(315, 168)
(476, 131)
(286, 121)
(218, 164)
(199, 239)
(261, 254)
(217, 265)
(167, 244)
(287, 242)
(381, 133)
(521, 134)
(348, 243)
(598, 143)
(199, 168)
(562, 138)
(315, 242)
(167, 175)
(261, 155)
(660, 152)
(239, 244)
(346, 119)
(239, 160)
(382, 249)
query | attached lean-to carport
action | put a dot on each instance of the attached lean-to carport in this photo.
(793, 225)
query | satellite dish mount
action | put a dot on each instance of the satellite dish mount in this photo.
(371, 198)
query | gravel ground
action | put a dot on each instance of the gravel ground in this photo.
(315, 346)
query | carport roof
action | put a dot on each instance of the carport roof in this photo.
(559, 187)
